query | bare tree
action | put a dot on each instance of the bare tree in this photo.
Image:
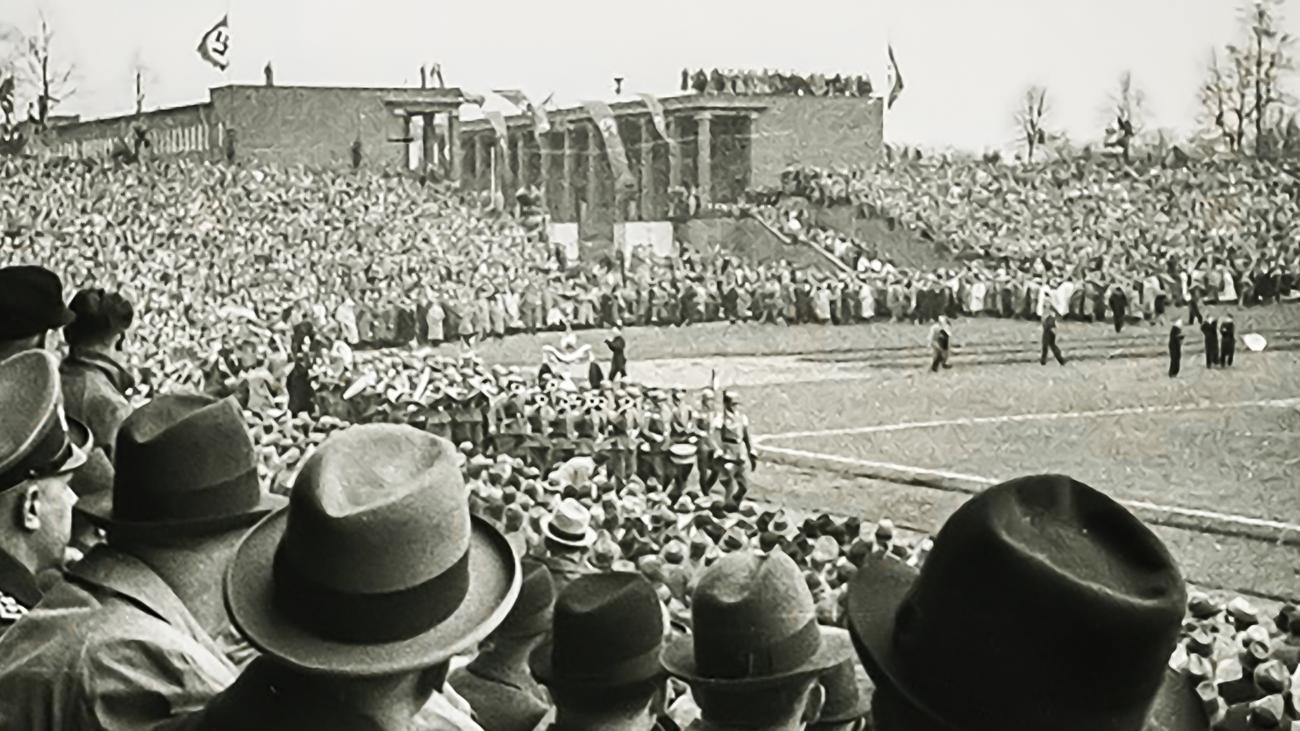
(1243, 96)
(1128, 110)
(1030, 117)
(51, 81)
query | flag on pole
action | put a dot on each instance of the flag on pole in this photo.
(541, 122)
(896, 89)
(214, 47)
(603, 116)
(657, 116)
(498, 122)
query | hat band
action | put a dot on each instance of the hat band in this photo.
(147, 504)
(354, 618)
(789, 653)
(565, 534)
(582, 668)
(47, 455)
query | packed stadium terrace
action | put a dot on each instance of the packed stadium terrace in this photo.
(259, 288)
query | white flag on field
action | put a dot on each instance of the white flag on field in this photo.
(214, 47)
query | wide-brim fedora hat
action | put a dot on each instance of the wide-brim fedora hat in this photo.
(183, 464)
(569, 525)
(848, 689)
(371, 571)
(754, 625)
(1041, 579)
(607, 633)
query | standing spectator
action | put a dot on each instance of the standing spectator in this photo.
(356, 632)
(1175, 348)
(95, 383)
(1228, 342)
(31, 305)
(617, 354)
(1049, 340)
(1008, 572)
(568, 535)
(601, 664)
(755, 651)
(38, 454)
(1210, 329)
(497, 683)
(126, 640)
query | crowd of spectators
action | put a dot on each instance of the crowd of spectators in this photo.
(752, 82)
(253, 286)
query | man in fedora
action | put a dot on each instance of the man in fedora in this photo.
(31, 305)
(602, 661)
(848, 692)
(567, 536)
(1044, 604)
(360, 593)
(126, 639)
(497, 683)
(756, 651)
(39, 450)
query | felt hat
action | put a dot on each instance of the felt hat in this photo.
(755, 625)
(607, 633)
(372, 571)
(37, 439)
(848, 689)
(569, 525)
(531, 613)
(1045, 578)
(184, 465)
(31, 302)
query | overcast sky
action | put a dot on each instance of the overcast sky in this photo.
(965, 62)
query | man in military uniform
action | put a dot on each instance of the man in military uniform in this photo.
(737, 450)
(128, 638)
(39, 449)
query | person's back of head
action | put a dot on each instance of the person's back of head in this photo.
(102, 319)
(31, 305)
(756, 651)
(601, 664)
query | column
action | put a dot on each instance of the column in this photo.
(521, 160)
(647, 170)
(567, 204)
(704, 146)
(429, 138)
(482, 167)
(453, 144)
(404, 148)
(593, 167)
(674, 154)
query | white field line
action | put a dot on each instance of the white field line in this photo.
(1047, 416)
(1231, 518)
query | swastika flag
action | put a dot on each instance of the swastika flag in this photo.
(214, 47)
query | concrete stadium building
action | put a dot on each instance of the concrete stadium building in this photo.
(725, 144)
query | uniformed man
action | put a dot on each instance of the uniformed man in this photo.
(128, 638)
(707, 440)
(940, 344)
(737, 450)
(1228, 340)
(1049, 340)
(1176, 348)
(39, 449)
(1210, 329)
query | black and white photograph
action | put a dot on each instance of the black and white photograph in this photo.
(842, 365)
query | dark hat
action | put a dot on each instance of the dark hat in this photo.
(184, 465)
(1041, 578)
(531, 614)
(755, 625)
(848, 689)
(608, 632)
(376, 567)
(31, 302)
(36, 437)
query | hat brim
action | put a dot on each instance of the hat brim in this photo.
(679, 660)
(97, 508)
(588, 536)
(494, 581)
(878, 590)
(630, 672)
(81, 441)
